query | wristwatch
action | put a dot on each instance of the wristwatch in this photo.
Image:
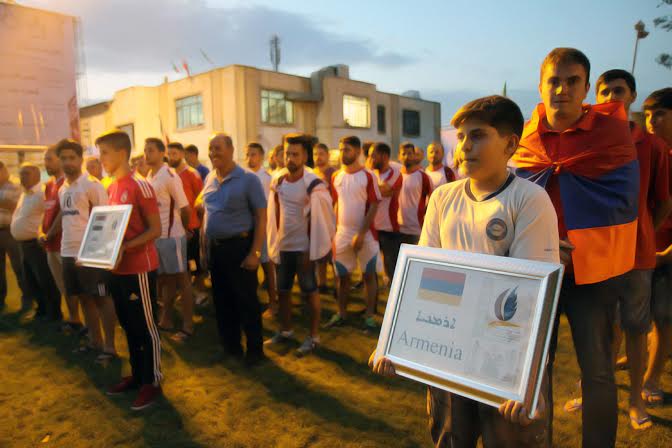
(257, 253)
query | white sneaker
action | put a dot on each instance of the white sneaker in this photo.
(280, 337)
(307, 347)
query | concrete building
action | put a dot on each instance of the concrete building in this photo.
(260, 105)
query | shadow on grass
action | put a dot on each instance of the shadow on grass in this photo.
(286, 388)
(162, 423)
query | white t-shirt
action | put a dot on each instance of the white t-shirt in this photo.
(415, 190)
(27, 216)
(265, 178)
(77, 199)
(517, 221)
(386, 214)
(438, 177)
(354, 193)
(171, 199)
(293, 229)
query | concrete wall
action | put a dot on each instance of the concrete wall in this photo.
(231, 98)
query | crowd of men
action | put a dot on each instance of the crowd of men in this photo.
(304, 214)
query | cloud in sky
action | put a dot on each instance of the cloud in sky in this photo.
(146, 36)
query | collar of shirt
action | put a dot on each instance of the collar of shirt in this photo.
(585, 123)
(37, 188)
(68, 183)
(237, 171)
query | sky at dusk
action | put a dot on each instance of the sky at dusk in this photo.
(450, 51)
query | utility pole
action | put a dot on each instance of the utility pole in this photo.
(275, 52)
(641, 34)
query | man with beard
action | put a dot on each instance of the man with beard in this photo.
(192, 185)
(175, 215)
(299, 233)
(438, 172)
(356, 195)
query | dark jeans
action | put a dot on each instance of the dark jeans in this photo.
(591, 311)
(234, 292)
(10, 248)
(390, 243)
(37, 277)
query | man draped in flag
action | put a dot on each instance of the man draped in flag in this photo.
(300, 228)
(585, 158)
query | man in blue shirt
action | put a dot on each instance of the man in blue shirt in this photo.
(235, 228)
(191, 156)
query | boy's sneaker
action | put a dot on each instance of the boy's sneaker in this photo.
(280, 337)
(146, 397)
(127, 383)
(307, 347)
(336, 321)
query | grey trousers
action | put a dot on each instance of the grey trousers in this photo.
(10, 248)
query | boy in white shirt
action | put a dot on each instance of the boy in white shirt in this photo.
(491, 212)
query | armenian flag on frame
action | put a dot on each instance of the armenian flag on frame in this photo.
(598, 180)
(441, 286)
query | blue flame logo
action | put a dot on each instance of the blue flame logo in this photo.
(506, 304)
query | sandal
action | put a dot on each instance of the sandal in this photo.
(181, 336)
(640, 424)
(574, 405)
(653, 397)
(106, 356)
(84, 349)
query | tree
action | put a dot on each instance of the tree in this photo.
(664, 23)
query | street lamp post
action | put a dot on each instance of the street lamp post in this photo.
(641, 34)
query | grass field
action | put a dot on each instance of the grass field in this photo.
(50, 397)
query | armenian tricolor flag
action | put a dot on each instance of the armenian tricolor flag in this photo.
(598, 180)
(445, 287)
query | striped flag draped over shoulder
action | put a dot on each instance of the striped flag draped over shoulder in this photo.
(598, 182)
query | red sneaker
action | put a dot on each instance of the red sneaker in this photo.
(127, 383)
(146, 397)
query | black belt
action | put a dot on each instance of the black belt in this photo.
(239, 236)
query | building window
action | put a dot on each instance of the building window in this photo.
(275, 108)
(410, 122)
(382, 128)
(189, 111)
(128, 129)
(356, 111)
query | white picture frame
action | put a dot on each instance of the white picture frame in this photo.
(104, 236)
(472, 324)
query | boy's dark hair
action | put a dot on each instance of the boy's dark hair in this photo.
(191, 149)
(660, 99)
(68, 143)
(613, 75)
(321, 146)
(351, 140)
(497, 111)
(382, 148)
(405, 145)
(297, 138)
(156, 142)
(257, 146)
(566, 56)
(117, 139)
(176, 145)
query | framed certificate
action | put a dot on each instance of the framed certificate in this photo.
(472, 324)
(104, 235)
